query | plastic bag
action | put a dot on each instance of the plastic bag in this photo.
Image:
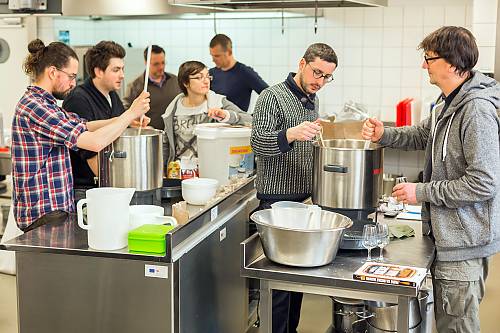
(353, 111)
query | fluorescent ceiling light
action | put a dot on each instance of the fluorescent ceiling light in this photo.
(241, 15)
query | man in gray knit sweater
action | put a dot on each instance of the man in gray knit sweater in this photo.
(285, 120)
(460, 190)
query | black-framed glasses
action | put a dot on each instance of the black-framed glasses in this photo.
(427, 59)
(71, 77)
(201, 78)
(317, 74)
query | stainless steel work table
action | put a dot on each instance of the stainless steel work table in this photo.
(65, 286)
(336, 278)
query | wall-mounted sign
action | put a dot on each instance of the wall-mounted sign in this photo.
(64, 36)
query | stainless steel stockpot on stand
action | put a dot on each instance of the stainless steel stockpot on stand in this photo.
(347, 175)
(133, 160)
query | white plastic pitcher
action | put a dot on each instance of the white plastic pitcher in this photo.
(107, 217)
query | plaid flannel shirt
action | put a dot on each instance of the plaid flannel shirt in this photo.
(42, 134)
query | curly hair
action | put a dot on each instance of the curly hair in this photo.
(98, 56)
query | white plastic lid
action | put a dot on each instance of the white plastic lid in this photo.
(219, 130)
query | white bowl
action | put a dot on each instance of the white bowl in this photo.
(148, 214)
(197, 191)
(289, 204)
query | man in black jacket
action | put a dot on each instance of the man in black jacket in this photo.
(96, 99)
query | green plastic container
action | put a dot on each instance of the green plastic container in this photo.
(148, 238)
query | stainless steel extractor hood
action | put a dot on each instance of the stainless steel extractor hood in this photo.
(274, 4)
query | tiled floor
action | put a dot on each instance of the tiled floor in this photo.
(316, 310)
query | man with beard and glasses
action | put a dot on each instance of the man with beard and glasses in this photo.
(285, 121)
(43, 134)
(96, 99)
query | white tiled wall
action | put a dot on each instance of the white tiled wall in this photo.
(379, 63)
(484, 27)
(378, 60)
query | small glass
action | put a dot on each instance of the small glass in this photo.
(400, 180)
(369, 239)
(382, 239)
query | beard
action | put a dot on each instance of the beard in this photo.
(306, 86)
(61, 95)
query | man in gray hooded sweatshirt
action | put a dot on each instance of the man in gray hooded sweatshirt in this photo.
(460, 190)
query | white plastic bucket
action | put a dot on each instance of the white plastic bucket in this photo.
(224, 151)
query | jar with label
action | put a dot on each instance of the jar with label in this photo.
(174, 170)
(189, 168)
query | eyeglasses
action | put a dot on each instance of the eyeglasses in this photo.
(427, 59)
(71, 77)
(319, 74)
(202, 78)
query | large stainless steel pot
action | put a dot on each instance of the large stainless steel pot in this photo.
(133, 160)
(301, 247)
(384, 316)
(347, 175)
(346, 315)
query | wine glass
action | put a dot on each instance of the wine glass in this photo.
(400, 180)
(369, 239)
(382, 238)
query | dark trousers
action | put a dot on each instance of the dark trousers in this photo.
(52, 217)
(286, 311)
(286, 304)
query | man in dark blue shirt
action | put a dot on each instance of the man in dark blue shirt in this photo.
(230, 77)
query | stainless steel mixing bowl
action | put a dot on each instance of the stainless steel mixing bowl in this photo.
(301, 247)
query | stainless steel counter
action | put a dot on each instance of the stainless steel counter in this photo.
(64, 286)
(336, 279)
(68, 238)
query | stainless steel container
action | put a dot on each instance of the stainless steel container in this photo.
(5, 163)
(348, 315)
(389, 181)
(426, 300)
(133, 160)
(5, 208)
(347, 175)
(303, 248)
(385, 315)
